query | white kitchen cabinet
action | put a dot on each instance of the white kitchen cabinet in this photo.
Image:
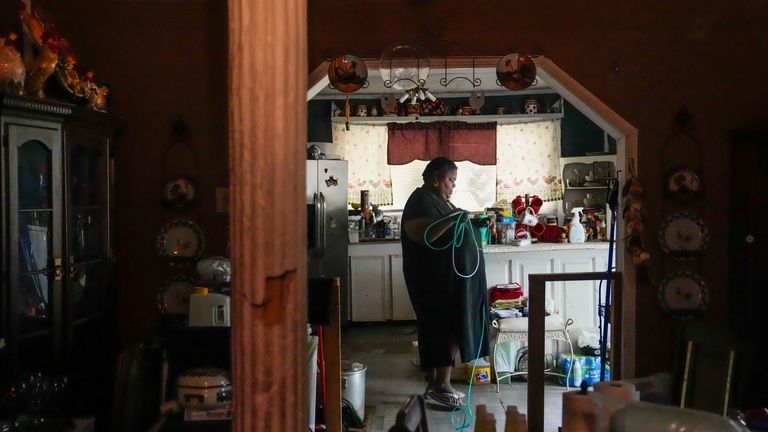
(401, 302)
(577, 299)
(376, 285)
(378, 291)
(369, 283)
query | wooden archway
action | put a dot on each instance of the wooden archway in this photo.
(603, 116)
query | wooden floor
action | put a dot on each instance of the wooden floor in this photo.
(389, 355)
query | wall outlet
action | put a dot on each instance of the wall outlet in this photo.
(222, 200)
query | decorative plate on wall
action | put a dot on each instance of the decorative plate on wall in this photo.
(179, 193)
(173, 297)
(683, 184)
(683, 294)
(180, 242)
(683, 236)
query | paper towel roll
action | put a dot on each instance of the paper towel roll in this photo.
(618, 389)
(580, 412)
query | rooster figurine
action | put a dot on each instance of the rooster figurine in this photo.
(11, 66)
(41, 67)
(97, 96)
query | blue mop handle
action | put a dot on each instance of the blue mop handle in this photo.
(607, 309)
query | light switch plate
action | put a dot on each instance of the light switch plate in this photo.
(222, 200)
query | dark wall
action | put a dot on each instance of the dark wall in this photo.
(162, 60)
(644, 59)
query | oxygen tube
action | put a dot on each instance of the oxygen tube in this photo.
(458, 238)
(465, 415)
(461, 416)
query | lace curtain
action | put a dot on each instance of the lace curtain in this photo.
(529, 160)
(365, 149)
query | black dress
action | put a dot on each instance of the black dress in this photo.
(449, 308)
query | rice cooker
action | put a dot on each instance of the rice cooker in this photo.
(204, 389)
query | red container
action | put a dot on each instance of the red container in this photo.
(511, 291)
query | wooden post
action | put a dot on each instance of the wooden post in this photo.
(267, 133)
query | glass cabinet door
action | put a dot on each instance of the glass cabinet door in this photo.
(87, 227)
(35, 210)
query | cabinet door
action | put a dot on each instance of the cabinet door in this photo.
(401, 302)
(369, 288)
(534, 263)
(577, 299)
(35, 267)
(88, 217)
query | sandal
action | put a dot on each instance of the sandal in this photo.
(445, 399)
(457, 392)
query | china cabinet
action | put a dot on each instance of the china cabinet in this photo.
(57, 296)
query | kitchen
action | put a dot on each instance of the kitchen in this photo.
(376, 288)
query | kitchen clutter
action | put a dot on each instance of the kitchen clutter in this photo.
(369, 223)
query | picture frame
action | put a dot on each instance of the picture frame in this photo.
(707, 382)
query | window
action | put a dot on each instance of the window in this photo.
(527, 154)
(475, 184)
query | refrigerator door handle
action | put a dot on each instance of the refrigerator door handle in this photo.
(321, 226)
(315, 244)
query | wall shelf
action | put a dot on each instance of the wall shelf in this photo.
(585, 187)
(500, 119)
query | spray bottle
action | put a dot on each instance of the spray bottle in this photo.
(576, 234)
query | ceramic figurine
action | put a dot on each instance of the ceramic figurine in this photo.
(11, 66)
(97, 96)
(531, 106)
(374, 111)
(42, 66)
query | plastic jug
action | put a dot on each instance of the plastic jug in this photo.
(208, 309)
(576, 234)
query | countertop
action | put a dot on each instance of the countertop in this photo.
(502, 248)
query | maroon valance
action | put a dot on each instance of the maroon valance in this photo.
(457, 141)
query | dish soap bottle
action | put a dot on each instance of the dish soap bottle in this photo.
(576, 234)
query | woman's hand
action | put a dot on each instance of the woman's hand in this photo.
(415, 229)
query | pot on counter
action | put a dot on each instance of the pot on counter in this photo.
(204, 388)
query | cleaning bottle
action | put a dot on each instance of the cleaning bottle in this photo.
(576, 233)
(577, 378)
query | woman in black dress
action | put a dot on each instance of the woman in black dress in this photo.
(447, 287)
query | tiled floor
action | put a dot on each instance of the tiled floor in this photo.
(391, 377)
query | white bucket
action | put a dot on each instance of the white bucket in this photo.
(353, 385)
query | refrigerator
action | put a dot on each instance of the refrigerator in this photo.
(327, 236)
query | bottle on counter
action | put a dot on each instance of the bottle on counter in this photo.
(576, 233)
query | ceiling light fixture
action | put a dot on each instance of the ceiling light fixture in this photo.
(406, 67)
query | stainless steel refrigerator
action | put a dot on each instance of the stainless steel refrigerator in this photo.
(327, 234)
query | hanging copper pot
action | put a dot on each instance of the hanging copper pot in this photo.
(347, 73)
(516, 72)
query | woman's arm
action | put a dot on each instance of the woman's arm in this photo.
(415, 228)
